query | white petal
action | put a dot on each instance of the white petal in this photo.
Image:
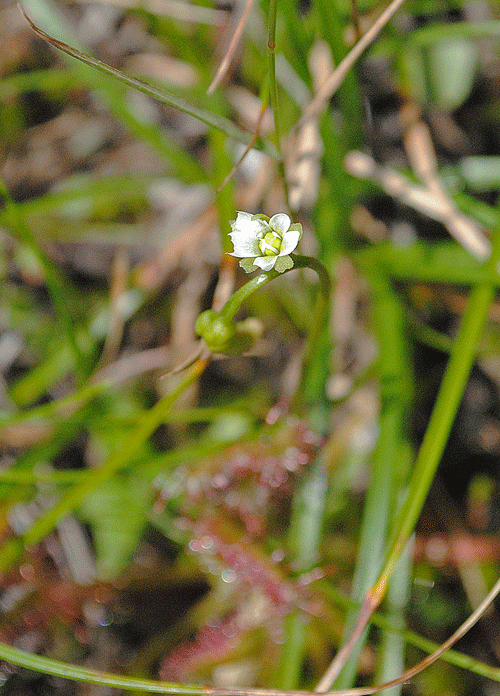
(290, 241)
(245, 235)
(280, 223)
(247, 226)
(241, 214)
(244, 245)
(265, 262)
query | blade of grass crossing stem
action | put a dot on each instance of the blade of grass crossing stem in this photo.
(391, 663)
(395, 393)
(224, 198)
(58, 286)
(91, 69)
(12, 549)
(113, 94)
(450, 394)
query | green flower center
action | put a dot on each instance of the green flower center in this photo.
(270, 244)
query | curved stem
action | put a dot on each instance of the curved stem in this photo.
(318, 268)
(235, 301)
(308, 391)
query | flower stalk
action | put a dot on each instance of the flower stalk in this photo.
(265, 243)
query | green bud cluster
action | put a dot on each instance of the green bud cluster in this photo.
(224, 336)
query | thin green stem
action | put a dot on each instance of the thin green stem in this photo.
(229, 310)
(236, 300)
(273, 89)
(318, 268)
(311, 391)
(271, 44)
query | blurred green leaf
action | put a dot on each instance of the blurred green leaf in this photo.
(452, 66)
(117, 513)
(481, 173)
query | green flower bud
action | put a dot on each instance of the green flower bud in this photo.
(215, 330)
(270, 245)
(224, 336)
(204, 321)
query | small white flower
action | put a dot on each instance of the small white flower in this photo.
(264, 243)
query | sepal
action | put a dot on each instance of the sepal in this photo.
(283, 263)
(248, 265)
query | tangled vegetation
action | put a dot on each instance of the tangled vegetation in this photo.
(222, 484)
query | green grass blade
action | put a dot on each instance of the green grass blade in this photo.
(58, 286)
(395, 393)
(57, 668)
(450, 394)
(114, 96)
(208, 117)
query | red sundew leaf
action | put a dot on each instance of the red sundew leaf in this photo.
(250, 483)
(249, 565)
(213, 643)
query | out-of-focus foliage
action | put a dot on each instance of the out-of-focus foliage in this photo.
(221, 524)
